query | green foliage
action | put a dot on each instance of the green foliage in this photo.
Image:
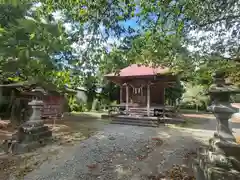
(155, 48)
(203, 74)
(110, 92)
(76, 106)
(28, 42)
(174, 94)
(220, 22)
(36, 46)
(195, 96)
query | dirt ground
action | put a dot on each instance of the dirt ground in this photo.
(123, 152)
(66, 132)
(75, 128)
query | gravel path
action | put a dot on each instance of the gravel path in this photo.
(119, 152)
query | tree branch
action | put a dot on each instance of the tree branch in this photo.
(155, 26)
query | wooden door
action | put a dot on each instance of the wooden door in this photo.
(139, 97)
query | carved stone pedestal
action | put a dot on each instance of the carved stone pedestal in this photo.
(30, 135)
(220, 160)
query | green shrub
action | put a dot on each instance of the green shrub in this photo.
(194, 97)
(76, 106)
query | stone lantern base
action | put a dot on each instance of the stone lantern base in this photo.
(30, 135)
(218, 161)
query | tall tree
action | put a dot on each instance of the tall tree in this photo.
(214, 27)
(29, 42)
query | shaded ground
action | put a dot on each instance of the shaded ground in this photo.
(115, 151)
(66, 132)
(120, 152)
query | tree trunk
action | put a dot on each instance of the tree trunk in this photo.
(16, 112)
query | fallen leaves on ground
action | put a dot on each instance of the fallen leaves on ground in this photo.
(235, 118)
(68, 137)
(157, 177)
(4, 124)
(7, 165)
(20, 165)
(238, 139)
(178, 173)
(141, 157)
(149, 147)
(158, 141)
(92, 166)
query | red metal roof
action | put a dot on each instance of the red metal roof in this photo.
(139, 70)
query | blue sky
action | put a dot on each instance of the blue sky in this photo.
(132, 23)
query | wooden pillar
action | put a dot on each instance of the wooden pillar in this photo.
(164, 101)
(148, 99)
(164, 95)
(121, 98)
(127, 97)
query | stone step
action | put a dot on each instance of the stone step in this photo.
(145, 121)
(138, 121)
(135, 118)
(134, 123)
(140, 114)
(145, 112)
(139, 110)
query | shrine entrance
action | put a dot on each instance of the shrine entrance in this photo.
(138, 96)
(138, 92)
(144, 90)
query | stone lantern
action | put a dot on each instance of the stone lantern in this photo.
(32, 133)
(220, 160)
